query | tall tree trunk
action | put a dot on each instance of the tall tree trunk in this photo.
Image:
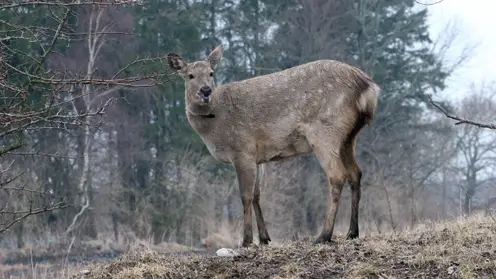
(443, 202)
(467, 203)
(124, 166)
(469, 191)
(19, 233)
(90, 226)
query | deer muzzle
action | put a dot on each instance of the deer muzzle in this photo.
(205, 93)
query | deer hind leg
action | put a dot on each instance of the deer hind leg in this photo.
(263, 234)
(336, 175)
(354, 178)
(328, 155)
(246, 171)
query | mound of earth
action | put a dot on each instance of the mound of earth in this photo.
(459, 249)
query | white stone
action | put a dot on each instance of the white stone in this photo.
(225, 252)
(451, 270)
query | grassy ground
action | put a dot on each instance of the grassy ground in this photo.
(460, 249)
(55, 259)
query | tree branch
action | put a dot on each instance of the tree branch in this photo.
(60, 3)
(460, 120)
(30, 212)
(428, 4)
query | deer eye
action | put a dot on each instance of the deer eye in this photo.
(191, 76)
(211, 74)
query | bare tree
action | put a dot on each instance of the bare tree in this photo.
(39, 94)
(314, 30)
(96, 38)
(476, 146)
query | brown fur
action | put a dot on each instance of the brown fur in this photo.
(318, 107)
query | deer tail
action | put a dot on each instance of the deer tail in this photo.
(367, 101)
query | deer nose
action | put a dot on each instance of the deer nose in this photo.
(206, 91)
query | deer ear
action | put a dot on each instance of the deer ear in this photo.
(215, 56)
(176, 62)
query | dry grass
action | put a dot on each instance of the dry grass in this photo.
(55, 259)
(37, 271)
(104, 246)
(460, 249)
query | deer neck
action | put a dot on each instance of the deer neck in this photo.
(198, 108)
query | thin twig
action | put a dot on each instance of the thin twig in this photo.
(461, 120)
(31, 213)
(428, 4)
(60, 3)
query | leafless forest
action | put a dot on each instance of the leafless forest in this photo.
(95, 146)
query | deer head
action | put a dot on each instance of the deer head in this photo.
(198, 75)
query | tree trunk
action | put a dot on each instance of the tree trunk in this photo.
(19, 233)
(412, 206)
(467, 202)
(90, 226)
(443, 202)
(469, 192)
(125, 170)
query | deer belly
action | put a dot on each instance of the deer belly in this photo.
(276, 152)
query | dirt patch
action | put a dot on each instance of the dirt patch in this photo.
(461, 249)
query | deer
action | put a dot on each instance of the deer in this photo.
(318, 108)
